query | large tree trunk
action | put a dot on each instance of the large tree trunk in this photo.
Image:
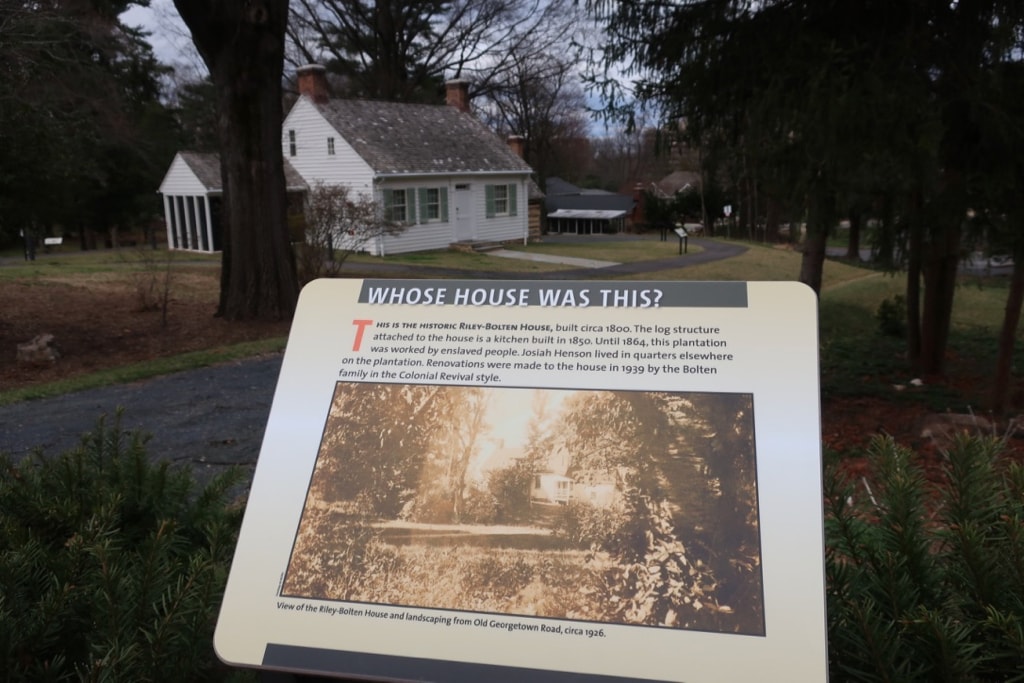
(773, 213)
(853, 245)
(1008, 334)
(942, 259)
(812, 263)
(242, 43)
(820, 219)
(915, 251)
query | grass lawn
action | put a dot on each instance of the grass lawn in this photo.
(619, 252)
(624, 251)
(67, 262)
(759, 263)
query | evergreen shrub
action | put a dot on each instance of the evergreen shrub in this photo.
(112, 567)
(891, 316)
(925, 571)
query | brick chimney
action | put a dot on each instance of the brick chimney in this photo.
(517, 143)
(312, 80)
(457, 94)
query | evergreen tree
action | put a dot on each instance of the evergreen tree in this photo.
(839, 104)
(84, 137)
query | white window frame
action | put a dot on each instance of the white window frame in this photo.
(501, 200)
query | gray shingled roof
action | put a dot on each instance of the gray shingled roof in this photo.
(564, 196)
(206, 166)
(403, 138)
(676, 181)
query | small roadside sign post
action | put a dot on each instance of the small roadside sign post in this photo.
(684, 237)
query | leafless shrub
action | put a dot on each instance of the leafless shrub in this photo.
(153, 278)
(338, 224)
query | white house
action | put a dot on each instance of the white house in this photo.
(550, 488)
(434, 167)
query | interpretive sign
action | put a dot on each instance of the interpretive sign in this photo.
(545, 481)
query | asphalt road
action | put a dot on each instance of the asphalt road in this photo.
(208, 418)
(214, 417)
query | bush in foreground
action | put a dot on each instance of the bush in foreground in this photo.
(112, 568)
(926, 576)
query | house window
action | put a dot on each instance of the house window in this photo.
(433, 202)
(500, 200)
(330, 146)
(291, 143)
(397, 206)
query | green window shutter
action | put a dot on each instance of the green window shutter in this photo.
(489, 200)
(513, 205)
(444, 204)
(389, 201)
(422, 192)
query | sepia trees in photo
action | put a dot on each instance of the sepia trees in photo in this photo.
(616, 506)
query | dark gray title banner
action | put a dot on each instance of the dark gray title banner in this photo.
(548, 294)
(366, 666)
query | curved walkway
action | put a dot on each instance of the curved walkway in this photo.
(710, 251)
(215, 416)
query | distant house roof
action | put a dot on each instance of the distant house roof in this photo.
(534, 191)
(407, 139)
(206, 166)
(556, 186)
(563, 196)
(677, 181)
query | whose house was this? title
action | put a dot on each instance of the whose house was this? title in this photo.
(515, 296)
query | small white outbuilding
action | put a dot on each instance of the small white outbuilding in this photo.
(192, 192)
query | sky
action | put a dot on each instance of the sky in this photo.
(169, 36)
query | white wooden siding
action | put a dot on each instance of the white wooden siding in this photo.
(438, 235)
(418, 236)
(181, 180)
(501, 228)
(312, 161)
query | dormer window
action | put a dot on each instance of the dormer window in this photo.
(291, 143)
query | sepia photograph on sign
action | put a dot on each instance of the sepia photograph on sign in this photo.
(636, 508)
